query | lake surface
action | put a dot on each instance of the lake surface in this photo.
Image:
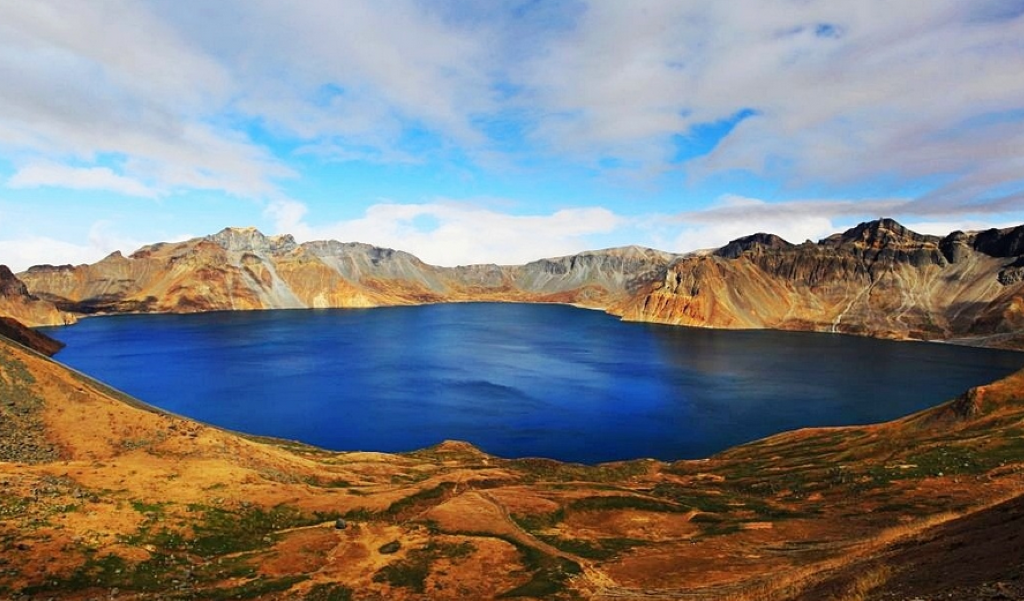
(516, 380)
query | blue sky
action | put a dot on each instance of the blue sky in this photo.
(507, 131)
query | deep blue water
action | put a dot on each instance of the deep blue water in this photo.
(516, 380)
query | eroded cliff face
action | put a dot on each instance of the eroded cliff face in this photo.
(878, 278)
(16, 302)
(241, 269)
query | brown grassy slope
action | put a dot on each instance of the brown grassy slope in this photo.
(99, 492)
(979, 556)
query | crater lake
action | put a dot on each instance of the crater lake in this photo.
(515, 380)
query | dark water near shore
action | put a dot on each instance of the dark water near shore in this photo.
(516, 380)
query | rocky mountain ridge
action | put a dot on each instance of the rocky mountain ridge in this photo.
(241, 269)
(18, 303)
(878, 278)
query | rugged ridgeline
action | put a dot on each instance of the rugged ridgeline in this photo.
(238, 269)
(102, 497)
(18, 307)
(878, 279)
(16, 302)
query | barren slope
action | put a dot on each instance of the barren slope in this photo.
(98, 493)
(17, 303)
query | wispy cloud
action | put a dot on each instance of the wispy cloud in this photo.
(921, 101)
(23, 251)
(79, 83)
(91, 178)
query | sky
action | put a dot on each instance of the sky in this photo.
(503, 131)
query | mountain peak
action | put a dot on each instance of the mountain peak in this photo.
(1008, 242)
(10, 285)
(755, 241)
(250, 239)
(877, 234)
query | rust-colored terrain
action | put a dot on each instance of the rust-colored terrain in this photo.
(877, 279)
(18, 304)
(101, 496)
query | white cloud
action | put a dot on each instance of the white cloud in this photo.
(353, 75)
(733, 217)
(941, 228)
(222, 97)
(844, 91)
(93, 241)
(21, 253)
(714, 235)
(90, 178)
(287, 217)
(80, 83)
(443, 233)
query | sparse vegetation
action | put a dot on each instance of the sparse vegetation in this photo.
(329, 592)
(22, 435)
(537, 470)
(548, 574)
(604, 548)
(418, 501)
(253, 589)
(321, 482)
(535, 522)
(411, 572)
(862, 586)
(111, 570)
(605, 503)
(220, 531)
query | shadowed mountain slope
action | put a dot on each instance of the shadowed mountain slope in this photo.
(16, 302)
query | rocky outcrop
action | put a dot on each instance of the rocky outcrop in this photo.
(1008, 242)
(878, 278)
(753, 243)
(19, 304)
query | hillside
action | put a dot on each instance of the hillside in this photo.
(877, 279)
(17, 303)
(106, 497)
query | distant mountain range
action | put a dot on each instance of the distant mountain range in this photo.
(877, 279)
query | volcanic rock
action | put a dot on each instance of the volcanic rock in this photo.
(18, 303)
(878, 278)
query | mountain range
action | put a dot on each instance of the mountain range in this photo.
(102, 496)
(878, 278)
